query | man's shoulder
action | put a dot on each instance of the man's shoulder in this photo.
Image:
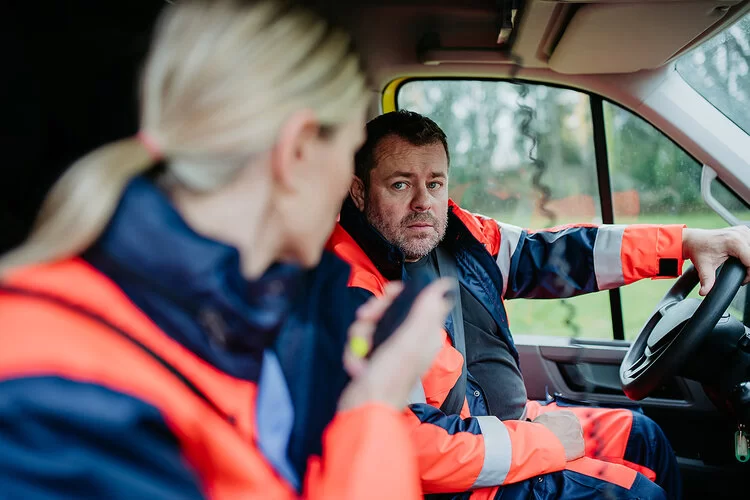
(469, 217)
(458, 209)
(485, 229)
(342, 245)
(362, 270)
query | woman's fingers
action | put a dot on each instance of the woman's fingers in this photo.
(439, 296)
(390, 374)
(413, 346)
(363, 328)
(358, 345)
(423, 328)
(374, 308)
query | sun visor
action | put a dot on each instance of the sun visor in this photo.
(615, 37)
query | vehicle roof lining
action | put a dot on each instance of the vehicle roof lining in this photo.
(568, 37)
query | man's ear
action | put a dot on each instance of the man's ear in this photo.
(293, 146)
(357, 192)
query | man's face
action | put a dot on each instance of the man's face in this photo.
(408, 196)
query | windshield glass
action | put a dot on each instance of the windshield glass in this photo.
(719, 70)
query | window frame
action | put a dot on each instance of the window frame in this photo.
(389, 102)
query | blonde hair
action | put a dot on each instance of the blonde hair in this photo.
(221, 78)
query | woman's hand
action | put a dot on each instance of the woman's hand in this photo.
(394, 369)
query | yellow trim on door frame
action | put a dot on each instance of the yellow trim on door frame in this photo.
(388, 102)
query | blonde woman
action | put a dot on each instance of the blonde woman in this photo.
(161, 337)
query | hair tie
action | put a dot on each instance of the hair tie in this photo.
(150, 144)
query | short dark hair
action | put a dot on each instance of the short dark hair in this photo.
(418, 130)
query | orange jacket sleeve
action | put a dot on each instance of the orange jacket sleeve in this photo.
(367, 454)
(459, 454)
(651, 251)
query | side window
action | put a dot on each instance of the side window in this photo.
(522, 154)
(654, 182)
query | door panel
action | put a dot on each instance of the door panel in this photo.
(588, 371)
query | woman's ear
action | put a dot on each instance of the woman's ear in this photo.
(294, 148)
(357, 192)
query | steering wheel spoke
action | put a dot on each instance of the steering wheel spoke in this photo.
(638, 366)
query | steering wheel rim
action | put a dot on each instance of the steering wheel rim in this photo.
(649, 360)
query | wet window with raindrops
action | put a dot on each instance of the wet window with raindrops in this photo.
(524, 153)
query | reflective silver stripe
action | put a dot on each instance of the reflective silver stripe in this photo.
(417, 394)
(509, 238)
(607, 261)
(497, 453)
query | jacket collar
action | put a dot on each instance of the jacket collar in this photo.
(180, 278)
(388, 258)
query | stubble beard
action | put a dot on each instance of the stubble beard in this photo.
(414, 247)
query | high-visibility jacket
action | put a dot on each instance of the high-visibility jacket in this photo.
(96, 400)
(498, 261)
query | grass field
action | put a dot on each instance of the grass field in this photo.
(592, 312)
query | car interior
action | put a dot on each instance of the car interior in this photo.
(557, 111)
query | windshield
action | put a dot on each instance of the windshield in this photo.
(719, 70)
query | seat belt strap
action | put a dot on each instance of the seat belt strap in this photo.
(454, 402)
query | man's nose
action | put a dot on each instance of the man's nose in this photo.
(422, 201)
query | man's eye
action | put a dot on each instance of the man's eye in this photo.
(434, 185)
(398, 186)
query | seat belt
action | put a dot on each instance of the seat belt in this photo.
(454, 402)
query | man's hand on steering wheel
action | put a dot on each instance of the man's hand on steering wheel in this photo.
(707, 249)
(679, 325)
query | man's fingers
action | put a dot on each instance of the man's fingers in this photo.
(706, 273)
(742, 249)
(707, 280)
(739, 244)
(743, 253)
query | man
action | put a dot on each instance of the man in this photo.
(399, 220)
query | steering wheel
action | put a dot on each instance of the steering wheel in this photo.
(676, 328)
